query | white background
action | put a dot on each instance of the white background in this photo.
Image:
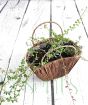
(65, 13)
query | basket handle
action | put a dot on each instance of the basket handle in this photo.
(42, 24)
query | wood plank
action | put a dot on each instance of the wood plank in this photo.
(9, 24)
(80, 8)
(10, 35)
(65, 13)
(36, 14)
(40, 90)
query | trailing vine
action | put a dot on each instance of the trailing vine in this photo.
(73, 26)
(15, 82)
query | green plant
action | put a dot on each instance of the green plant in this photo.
(14, 83)
(16, 80)
(58, 46)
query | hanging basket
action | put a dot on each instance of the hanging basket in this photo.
(53, 69)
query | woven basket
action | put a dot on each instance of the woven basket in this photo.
(56, 68)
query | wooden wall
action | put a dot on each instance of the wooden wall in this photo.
(18, 18)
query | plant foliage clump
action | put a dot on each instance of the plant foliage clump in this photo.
(56, 47)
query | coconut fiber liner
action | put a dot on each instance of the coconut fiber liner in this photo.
(56, 68)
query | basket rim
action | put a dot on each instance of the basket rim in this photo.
(37, 67)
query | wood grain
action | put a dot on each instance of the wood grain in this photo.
(18, 18)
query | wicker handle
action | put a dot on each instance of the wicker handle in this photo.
(42, 24)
